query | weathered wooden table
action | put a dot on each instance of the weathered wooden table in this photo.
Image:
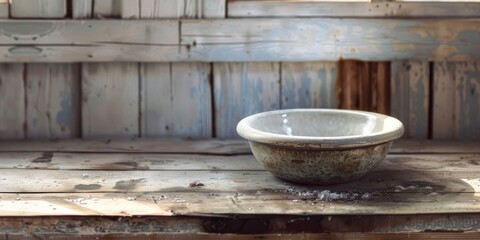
(139, 189)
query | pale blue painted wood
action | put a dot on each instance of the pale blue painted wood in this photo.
(410, 96)
(290, 39)
(309, 85)
(12, 101)
(242, 89)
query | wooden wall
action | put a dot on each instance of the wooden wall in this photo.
(189, 99)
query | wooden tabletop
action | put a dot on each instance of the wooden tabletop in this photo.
(167, 186)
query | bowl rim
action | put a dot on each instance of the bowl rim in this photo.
(245, 130)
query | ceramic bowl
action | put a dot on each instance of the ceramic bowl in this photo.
(319, 146)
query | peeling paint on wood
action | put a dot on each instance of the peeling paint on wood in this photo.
(176, 100)
(110, 99)
(53, 101)
(12, 101)
(309, 84)
(242, 89)
(249, 8)
(410, 96)
(38, 8)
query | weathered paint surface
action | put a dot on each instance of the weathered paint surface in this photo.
(12, 101)
(176, 100)
(309, 84)
(410, 96)
(242, 89)
(443, 118)
(330, 39)
(467, 100)
(110, 99)
(82, 9)
(53, 101)
(38, 8)
(259, 8)
(182, 9)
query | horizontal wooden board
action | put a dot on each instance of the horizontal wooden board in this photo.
(233, 40)
(271, 8)
(88, 41)
(212, 146)
(330, 39)
(201, 162)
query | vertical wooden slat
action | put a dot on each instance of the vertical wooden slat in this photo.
(81, 9)
(380, 77)
(214, 8)
(309, 84)
(110, 99)
(410, 96)
(176, 100)
(443, 100)
(107, 8)
(182, 8)
(4, 9)
(467, 100)
(242, 89)
(129, 8)
(38, 8)
(12, 101)
(52, 101)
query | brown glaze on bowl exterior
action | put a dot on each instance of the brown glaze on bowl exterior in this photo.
(319, 166)
(319, 146)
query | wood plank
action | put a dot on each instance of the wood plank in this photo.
(106, 9)
(410, 96)
(176, 100)
(12, 101)
(38, 8)
(443, 107)
(210, 146)
(467, 100)
(158, 9)
(91, 41)
(203, 162)
(309, 84)
(4, 9)
(378, 180)
(242, 89)
(249, 8)
(330, 39)
(110, 100)
(53, 101)
(82, 9)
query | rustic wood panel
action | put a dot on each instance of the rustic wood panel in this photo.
(309, 84)
(176, 100)
(107, 8)
(182, 9)
(38, 8)
(53, 101)
(410, 96)
(364, 86)
(330, 39)
(12, 101)
(212, 146)
(82, 9)
(110, 99)
(443, 100)
(91, 41)
(242, 89)
(248, 8)
(467, 100)
(4, 9)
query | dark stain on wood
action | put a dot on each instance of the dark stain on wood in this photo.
(86, 187)
(45, 158)
(126, 185)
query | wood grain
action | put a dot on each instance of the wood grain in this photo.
(38, 8)
(82, 9)
(110, 100)
(330, 39)
(182, 9)
(53, 101)
(262, 8)
(309, 84)
(176, 100)
(211, 146)
(12, 101)
(410, 96)
(90, 41)
(467, 100)
(243, 89)
(443, 100)
(4, 9)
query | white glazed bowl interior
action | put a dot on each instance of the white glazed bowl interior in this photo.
(329, 128)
